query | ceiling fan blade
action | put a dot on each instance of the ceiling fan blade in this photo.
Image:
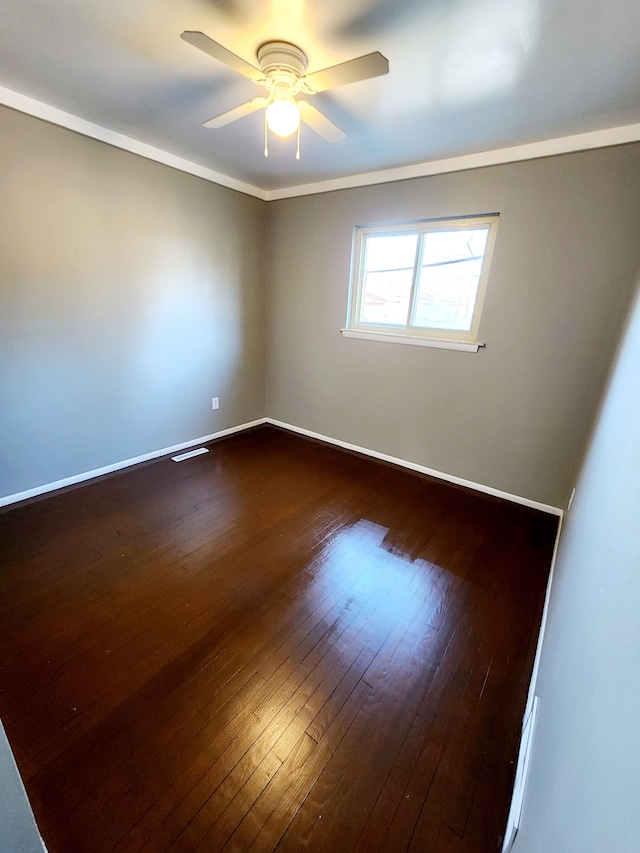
(236, 113)
(319, 122)
(352, 71)
(217, 51)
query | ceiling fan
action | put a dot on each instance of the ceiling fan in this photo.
(282, 71)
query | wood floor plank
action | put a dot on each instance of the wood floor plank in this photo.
(273, 795)
(398, 677)
(269, 719)
(275, 645)
(293, 794)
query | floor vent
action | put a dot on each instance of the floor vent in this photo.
(189, 454)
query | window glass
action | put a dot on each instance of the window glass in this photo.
(389, 262)
(448, 279)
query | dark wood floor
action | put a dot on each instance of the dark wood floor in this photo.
(277, 645)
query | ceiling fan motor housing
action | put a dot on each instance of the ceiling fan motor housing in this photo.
(282, 59)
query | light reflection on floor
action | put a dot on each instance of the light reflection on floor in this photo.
(358, 596)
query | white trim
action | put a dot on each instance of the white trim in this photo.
(53, 115)
(530, 151)
(543, 622)
(126, 463)
(520, 782)
(403, 463)
(413, 466)
(409, 332)
(412, 340)
(495, 157)
(526, 741)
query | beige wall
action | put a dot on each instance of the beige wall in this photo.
(130, 294)
(514, 416)
(584, 787)
(18, 830)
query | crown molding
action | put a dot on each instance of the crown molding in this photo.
(53, 115)
(495, 157)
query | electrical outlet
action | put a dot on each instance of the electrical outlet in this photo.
(215, 403)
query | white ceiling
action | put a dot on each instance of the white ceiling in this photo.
(465, 75)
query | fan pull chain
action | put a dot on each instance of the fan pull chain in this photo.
(266, 135)
(298, 149)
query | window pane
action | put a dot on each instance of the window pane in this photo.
(449, 278)
(454, 245)
(387, 277)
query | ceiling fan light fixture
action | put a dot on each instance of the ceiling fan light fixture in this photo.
(283, 73)
(283, 117)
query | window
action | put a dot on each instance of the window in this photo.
(421, 283)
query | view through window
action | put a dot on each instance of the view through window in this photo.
(424, 280)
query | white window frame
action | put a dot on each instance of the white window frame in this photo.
(417, 335)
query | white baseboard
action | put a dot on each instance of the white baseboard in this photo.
(166, 451)
(530, 716)
(125, 463)
(413, 466)
(543, 623)
(520, 782)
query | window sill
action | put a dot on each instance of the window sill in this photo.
(391, 338)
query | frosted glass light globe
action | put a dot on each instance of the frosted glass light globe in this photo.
(283, 117)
